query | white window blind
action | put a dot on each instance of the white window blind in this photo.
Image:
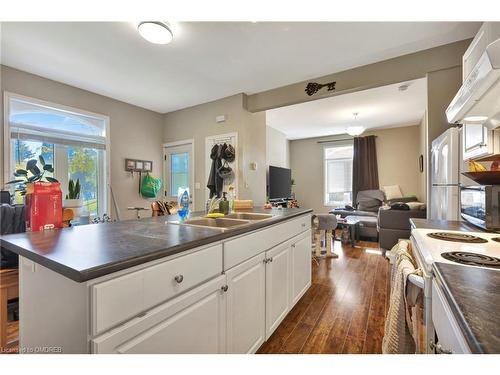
(338, 174)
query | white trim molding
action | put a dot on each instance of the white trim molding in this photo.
(104, 177)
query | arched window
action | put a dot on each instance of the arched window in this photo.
(74, 141)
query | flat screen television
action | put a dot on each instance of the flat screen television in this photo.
(280, 182)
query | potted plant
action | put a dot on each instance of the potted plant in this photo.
(73, 199)
(22, 179)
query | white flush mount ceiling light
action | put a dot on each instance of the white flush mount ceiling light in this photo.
(475, 118)
(155, 32)
(356, 130)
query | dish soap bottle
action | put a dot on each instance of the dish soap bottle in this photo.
(224, 204)
(183, 203)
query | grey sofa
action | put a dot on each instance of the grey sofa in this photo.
(395, 224)
(367, 204)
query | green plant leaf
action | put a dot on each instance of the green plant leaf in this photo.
(30, 164)
(21, 172)
(42, 160)
(77, 189)
(51, 179)
(14, 182)
(48, 168)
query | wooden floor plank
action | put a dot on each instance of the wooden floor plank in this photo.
(345, 312)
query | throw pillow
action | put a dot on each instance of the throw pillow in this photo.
(416, 205)
(400, 206)
(367, 204)
(392, 192)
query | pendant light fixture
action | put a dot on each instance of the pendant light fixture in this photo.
(355, 130)
(156, 32)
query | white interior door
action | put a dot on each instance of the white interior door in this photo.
(178, 169)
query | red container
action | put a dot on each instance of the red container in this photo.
(43, 206)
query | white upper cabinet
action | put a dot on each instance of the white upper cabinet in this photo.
(479, 141)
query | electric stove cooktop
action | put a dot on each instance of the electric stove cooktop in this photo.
(478, 249)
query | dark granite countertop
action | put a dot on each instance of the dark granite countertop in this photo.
(83, 253)
(474, 297)
(461, 226)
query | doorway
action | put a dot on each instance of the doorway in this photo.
(178, 168)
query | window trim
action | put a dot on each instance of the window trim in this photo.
(166, 179)
(104, 173)
(339, 143)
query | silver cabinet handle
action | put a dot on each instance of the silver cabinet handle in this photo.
(224, 288)
(179, 278)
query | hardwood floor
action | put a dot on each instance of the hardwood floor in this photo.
(344, 309)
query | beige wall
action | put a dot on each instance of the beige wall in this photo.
(442, 86)
(198, 122)
(135, 132)
(397, 155)
(386, 72)
(277, 148)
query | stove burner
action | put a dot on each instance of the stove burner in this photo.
(456, 237)
(472, 259)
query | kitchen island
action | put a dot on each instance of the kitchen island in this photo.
(156, 286)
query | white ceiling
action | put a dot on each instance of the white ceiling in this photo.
(209, 60)
(381, 107)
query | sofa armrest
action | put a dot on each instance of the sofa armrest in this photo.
(398, 219)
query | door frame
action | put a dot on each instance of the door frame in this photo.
(183, 142)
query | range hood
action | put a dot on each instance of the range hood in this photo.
(478, 100)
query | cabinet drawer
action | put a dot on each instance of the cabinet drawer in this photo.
(245, 247)
(117, 300)
(168, 279)
(194, 322)
(448, 332)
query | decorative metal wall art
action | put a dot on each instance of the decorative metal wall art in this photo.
(313, 87)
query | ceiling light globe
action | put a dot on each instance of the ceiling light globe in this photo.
(155, 32)
(355, 130)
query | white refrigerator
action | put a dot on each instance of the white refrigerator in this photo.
(445, 176)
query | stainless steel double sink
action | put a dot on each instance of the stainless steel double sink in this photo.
(230, 221)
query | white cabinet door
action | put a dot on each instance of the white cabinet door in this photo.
(278, 280)
(192, 323)
(246, 306)
(478, 141)
(301, 267)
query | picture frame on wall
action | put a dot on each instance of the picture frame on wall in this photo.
(147, 166)
(139, 165)
(129, 165)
